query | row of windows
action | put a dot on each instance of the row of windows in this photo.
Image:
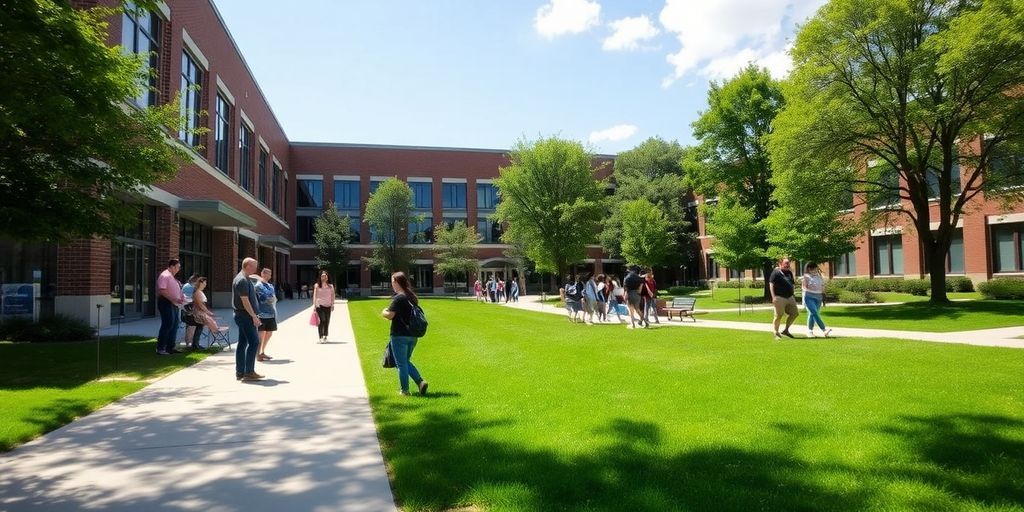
(310, 194)
(421, 232)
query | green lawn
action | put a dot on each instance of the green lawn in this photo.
(914, 316)
(46, 385)
(528, 412)
(726, 298)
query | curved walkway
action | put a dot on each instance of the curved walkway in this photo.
(1002, 337)
(303, 439)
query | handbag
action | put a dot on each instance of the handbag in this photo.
(314, 319)
(388, 361)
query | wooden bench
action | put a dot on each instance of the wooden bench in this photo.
(682, 306)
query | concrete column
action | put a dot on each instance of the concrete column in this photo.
(83, 280)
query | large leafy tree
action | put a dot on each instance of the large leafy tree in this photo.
(653, 171)
(550, 201)
(455, 251)
(647, 236)
(731, 162)
(332, 233)
(909, 101)
(389, 212)
(71, 148)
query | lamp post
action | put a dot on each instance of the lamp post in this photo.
(98, 308)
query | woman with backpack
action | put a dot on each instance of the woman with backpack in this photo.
(400, 312)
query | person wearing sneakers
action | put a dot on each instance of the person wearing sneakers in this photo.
(267, 311)
(780, 284)
(399, 312)
(813, 286)
(323, 304)
(244, 302)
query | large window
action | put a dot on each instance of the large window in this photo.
(140, 33)
(222, 132)
(888, 255)
(263, 175)
(453, 196)
(195, 245)
(845, 265)
(245, 157)
(933, 181)
(486, 196)
(191, 99)
(275, 189)
(884, 190)
(133, 267)
(354, 229)
(309, 193)
(346, 195)
(489, 230)
(713, 268)
(422, 232)
(1008, 247)
(304, 229)
(374, 184)
(422, 193)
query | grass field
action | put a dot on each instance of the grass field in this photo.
(528, 412)
(725, 298)
(46, 385)
(914, 316)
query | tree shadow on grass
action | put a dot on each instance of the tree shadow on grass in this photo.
(914, 311)
(445, 461)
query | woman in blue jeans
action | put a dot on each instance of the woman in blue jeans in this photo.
(813, 286)
(402, 342)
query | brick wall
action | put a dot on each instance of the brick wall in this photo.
(225, 257)
(83, 267)
(167, 236)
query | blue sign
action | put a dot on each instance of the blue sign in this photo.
(19, 299)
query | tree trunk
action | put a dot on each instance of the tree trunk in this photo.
(766, 271)
(937, 267)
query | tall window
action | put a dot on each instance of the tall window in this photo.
(453, 196)
(140, 33)
(422, 192)
(275, 189)
(245, 157)
(845, 265)
(486, 196)
(346, 195)
(884, 191)
(191, 99)
(489, 230)
(354, 229)
(933, 181)
(222, 132)
(195, 247)
(374, 184)
(713, 269)
(888, 255)
(263, 175)
(309, 194)
(304, 229)
(1006, 168)
(422, 232)
(1008, 247)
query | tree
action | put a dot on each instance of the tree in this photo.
(71, 149)
(389, 212)
(731, 163)
(647, 236)
(550, 201)
(653, 171)
(455, 254)
(332, 234)
(910, 104)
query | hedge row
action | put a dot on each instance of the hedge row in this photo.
(1002, 288)
(919, 287)
(58, 328)
(736, 284)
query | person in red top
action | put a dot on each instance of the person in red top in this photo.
(651, 304)
(169, 298)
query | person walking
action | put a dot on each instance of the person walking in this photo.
(508, 288)
(478, 290)
(492, 290)
(780, 285)
(501, 289)
(616, 296)
(813, 286)
(399, 312)
(267, 296)
(515, 290)
(244, 303)
(571, 294)
(589, 298)
(323, 303)
(652, 303)
(633, 284)
(169, 299)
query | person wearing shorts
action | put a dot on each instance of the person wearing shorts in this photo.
(267, 312)
(632, 283)
(780, 284)
(572, 296)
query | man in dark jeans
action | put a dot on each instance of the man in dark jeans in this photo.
(245, 302)
(169, 297)
(780, 284)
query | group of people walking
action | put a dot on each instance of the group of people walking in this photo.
(591, 299)
(782, 284)
(497, 290)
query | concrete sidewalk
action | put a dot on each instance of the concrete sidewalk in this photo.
(303, 439)
(1002, 337)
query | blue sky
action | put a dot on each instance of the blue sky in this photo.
(485, 73)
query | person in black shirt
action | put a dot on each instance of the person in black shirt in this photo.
(780, 284)
(402, 341)
(633, 283)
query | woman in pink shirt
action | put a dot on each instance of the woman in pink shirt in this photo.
(323, 303)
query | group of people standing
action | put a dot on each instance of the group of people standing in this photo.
(497, 290)
(589, 298)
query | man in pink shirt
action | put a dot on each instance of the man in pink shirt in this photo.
(169, 298)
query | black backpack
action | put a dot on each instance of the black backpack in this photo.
(417, 325)
(572, 291)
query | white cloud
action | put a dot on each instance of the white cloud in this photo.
(629, 32)
(613, 134)
(718, 38)
(560, 17)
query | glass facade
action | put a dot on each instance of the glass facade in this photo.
(422, 232)
(140, 34)
(422, 193)
(309, 193)
(346, 195)
(196, 249)
(304, 228)
(191, 99)
(222, 132)
(486, 196)
(1008, 247)
(453, 196)
(134, 269)
(489, 231)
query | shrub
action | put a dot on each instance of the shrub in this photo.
(1002, 289)
(677, 291)
(919, 287)
(747, 283)
(959, 284)
(58, 328)
(852, 297)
